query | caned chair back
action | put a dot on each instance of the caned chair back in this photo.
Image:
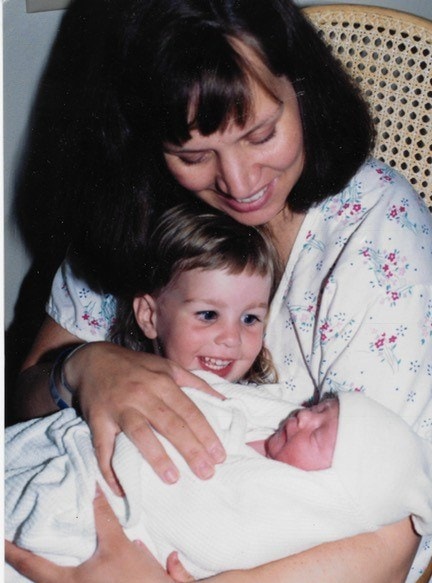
(389, 53)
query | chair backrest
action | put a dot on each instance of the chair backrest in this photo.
(389, 53)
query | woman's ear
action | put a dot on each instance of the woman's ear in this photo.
(145, 314)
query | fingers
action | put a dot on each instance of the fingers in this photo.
(198, 424)
(183, 424)
(138, 430)
(176, 570)
(103, 442)
(137, 393)
(108, 529)
(185, 378)
(35, 568)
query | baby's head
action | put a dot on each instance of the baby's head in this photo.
(306, 439)
(348, 432)
(205, 290)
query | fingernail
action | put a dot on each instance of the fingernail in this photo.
(170, 476)
(217, 453)
(116, 488)
(205, 470)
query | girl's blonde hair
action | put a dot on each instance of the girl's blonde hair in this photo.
(194, 236)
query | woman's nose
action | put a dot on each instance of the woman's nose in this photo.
(238, 175)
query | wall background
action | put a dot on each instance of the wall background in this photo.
(27, 39)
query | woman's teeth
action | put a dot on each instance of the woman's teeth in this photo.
(254, 197)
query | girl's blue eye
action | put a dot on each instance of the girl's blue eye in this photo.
(207, 315)
(250, 319)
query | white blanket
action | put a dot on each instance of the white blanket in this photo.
(252, 511)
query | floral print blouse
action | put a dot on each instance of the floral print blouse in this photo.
(353, 311)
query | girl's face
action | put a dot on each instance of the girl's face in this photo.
(209, 320)
(246, 172)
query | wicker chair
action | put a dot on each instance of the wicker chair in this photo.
(389, 53)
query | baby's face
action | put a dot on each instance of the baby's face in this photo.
(307, 438)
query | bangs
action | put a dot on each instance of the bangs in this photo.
(205, 85)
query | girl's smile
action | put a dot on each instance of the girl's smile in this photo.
(209, 319)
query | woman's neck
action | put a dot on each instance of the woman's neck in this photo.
(284, 229)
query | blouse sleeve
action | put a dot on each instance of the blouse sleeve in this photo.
(81, 310)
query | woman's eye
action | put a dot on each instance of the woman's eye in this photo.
(250, 319)
(191, 160)
(262, 139)
(207, 315)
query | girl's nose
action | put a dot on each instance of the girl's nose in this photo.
(229, 335)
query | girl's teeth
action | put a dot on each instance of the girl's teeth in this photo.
(216, 363)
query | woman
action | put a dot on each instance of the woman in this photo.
(240, 105)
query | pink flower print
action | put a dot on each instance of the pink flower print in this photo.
(394, 213)
(323, 337)
(85, 316)
(366, 253)
(357, 207)
(380, 171)
(402, 209)
(395, 296)
(309, 235)
(380, 342)
(386, 348)
(391, 257)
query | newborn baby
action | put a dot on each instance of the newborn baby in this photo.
(254, 510)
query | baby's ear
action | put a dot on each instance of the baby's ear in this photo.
(145, 314)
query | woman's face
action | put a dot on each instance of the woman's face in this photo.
(246, 172)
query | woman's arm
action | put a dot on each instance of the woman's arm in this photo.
(116, 559)
(383, 556)
(32, 397)
(380, 557)
(122, 390)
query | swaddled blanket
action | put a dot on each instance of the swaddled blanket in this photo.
(252, 511)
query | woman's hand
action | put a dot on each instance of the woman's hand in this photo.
(176, 570)
(116, 559)
(122, 390)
